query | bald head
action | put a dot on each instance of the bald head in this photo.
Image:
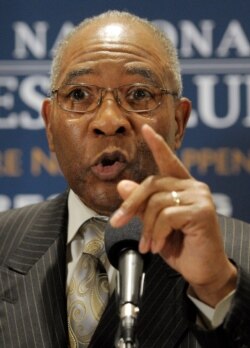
(111, 26)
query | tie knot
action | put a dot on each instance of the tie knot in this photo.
(92, 231)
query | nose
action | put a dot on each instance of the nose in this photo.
(110, 119)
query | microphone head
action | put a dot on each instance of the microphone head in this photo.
(123, 238)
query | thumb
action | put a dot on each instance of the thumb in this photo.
(126, 187)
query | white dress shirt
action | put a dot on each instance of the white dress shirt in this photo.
(79, 213)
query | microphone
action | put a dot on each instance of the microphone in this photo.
(122, 250)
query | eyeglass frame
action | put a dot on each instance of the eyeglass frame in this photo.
(163, 91)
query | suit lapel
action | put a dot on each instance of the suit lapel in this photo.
(49, 224)
(35, 271)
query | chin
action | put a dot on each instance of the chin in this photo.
(103, 200)
(105, 206)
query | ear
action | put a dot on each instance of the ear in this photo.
(182, 113)
(47, 117)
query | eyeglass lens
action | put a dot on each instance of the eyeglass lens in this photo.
(84, 98)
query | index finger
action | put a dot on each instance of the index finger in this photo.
(168, 163)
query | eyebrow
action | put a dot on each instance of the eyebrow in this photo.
(76, 73)
(147, 73)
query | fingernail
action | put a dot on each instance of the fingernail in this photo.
(116, 218)
(144, 245)
(127, 185)
(154, 247)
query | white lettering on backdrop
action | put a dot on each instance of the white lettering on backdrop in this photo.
(24, 91)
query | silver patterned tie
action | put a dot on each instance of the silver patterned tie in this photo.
(88, 291)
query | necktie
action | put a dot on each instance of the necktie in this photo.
(88, 290)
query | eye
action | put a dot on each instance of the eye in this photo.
(78, 94)
(138, 94)
(141, 93)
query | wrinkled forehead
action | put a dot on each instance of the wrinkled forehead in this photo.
(121, 37)
(117, 41)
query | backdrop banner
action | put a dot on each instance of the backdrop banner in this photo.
(213, 41)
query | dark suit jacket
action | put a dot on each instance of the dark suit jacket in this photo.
(32, 289)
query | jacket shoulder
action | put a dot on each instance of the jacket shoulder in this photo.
(16, 223)
(9, 216)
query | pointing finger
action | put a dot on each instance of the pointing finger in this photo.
(167, 162)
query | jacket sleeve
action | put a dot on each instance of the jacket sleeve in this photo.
(234, 332)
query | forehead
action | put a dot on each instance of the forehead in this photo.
(107, 47)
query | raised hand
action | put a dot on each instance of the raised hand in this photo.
(180, 222)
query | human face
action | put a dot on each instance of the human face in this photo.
(96, 150)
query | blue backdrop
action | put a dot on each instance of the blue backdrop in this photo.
(212, 38)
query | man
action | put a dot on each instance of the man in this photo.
(114, 120)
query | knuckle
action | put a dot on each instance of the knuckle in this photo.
(153, 202)
(164, 215)
(202, 187)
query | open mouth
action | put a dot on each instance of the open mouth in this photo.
(109, 165)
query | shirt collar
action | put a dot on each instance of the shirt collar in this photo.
(78, 214)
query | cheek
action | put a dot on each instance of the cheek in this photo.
(69, 143)
(70, 133)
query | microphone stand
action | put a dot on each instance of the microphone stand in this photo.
(121, 245)
(126, 335)
(130, 282)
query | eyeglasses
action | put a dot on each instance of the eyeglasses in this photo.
(137, 97)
